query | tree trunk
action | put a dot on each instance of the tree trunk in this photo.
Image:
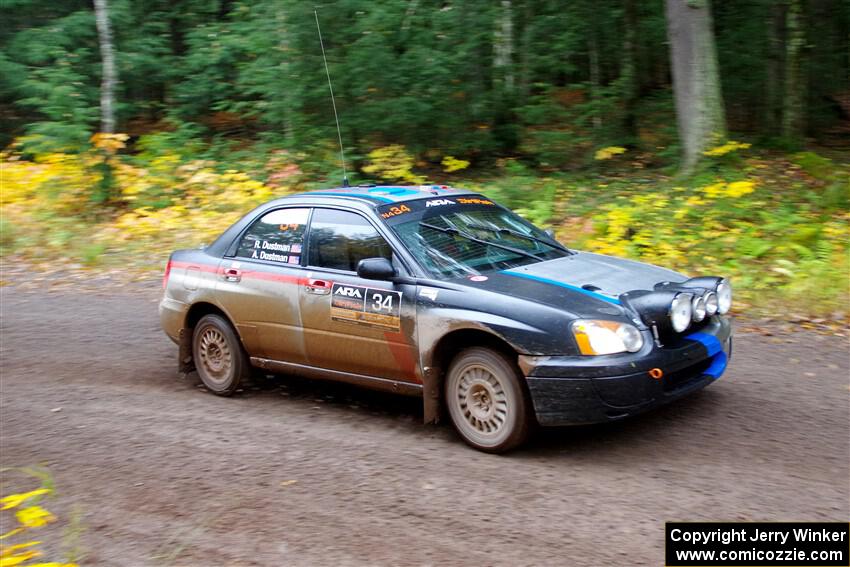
(284, 74)
(110, 75)
(772, 118)
(696, 79)
(504, 47)
(792, 107)
(628, 73)
(594, 67)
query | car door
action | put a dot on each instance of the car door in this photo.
(351, 324)
(258, 285)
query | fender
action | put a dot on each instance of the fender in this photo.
(436, 325)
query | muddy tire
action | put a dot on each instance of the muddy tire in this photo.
(486, 400)
(220, 360)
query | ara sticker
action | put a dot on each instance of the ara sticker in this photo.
(439, 202)
(478, 278)
(366, 306)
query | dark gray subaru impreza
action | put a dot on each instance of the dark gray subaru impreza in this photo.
(440, 293)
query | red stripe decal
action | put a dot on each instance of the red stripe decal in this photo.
(403, 353)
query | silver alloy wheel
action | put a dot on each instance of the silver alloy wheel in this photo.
(483, 402)
(215, 355)
(482, 399)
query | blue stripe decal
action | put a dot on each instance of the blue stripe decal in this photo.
(710, 342)
(715, 350)
(358, 195)
(718, 365)
(565, 285)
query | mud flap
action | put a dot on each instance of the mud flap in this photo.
(185, 362)
(432, 408)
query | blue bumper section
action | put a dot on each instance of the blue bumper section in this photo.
(715, 350)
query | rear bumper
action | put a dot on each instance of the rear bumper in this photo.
(172, 315)
(570, 390)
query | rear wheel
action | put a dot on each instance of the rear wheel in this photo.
(486, 400)
(220, 360)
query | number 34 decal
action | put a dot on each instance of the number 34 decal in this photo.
(381, 302)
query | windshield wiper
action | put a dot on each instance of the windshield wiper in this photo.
(518, 234)
(481, 241)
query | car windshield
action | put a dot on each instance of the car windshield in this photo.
(467, 236)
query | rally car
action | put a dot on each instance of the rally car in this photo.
(444, 294)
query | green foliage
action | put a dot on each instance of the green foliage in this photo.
(815, 165)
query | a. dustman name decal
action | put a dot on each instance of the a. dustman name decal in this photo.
(265, 250)
(366, 306)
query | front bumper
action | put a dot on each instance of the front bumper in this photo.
(572, 390)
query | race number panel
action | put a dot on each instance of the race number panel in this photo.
(366, 306)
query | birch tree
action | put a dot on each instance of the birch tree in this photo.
(109, 75)
(696, 81)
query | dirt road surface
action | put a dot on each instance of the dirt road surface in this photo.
(155, 471)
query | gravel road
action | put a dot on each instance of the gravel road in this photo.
(155, 471)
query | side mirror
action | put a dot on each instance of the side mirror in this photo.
(375, 269)
(550, 233)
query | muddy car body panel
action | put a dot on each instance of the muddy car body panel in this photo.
(287, 278)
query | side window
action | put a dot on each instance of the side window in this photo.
(340, 239)
(276, 237)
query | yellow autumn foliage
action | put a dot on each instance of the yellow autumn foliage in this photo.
(163, 203)
(31, 516)
(393, 163)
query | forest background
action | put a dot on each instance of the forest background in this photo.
(707, 136)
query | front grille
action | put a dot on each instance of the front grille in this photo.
(682, 377)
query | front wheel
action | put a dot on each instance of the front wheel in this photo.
(219, 357)
(486, 400)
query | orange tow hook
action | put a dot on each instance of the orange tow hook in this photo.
(656, 373)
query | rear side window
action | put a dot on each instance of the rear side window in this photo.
(340, 239)
(276, 237)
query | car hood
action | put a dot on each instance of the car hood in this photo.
(604, 275)
(584, 284)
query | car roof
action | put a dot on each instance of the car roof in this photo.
(383, 194)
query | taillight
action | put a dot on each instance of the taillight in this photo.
(167, 273)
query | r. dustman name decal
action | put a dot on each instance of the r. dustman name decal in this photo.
(366, 305)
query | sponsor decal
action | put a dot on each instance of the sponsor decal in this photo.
(349, 291)
(366, 306)
(428, 293)
(478, 278)
(474, 201)
(439, 203)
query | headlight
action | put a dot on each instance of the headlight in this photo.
(698, 308)
(606, 337)
(680, 312)
(724, 297)
(710, 303)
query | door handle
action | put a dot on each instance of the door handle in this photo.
(232, 274)
(319, 287)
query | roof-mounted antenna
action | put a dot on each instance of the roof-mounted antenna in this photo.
(330, 88)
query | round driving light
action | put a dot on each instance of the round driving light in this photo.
(631, 337)
(710, 303)
(698, 308)
(724, 297)
(681, 312)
